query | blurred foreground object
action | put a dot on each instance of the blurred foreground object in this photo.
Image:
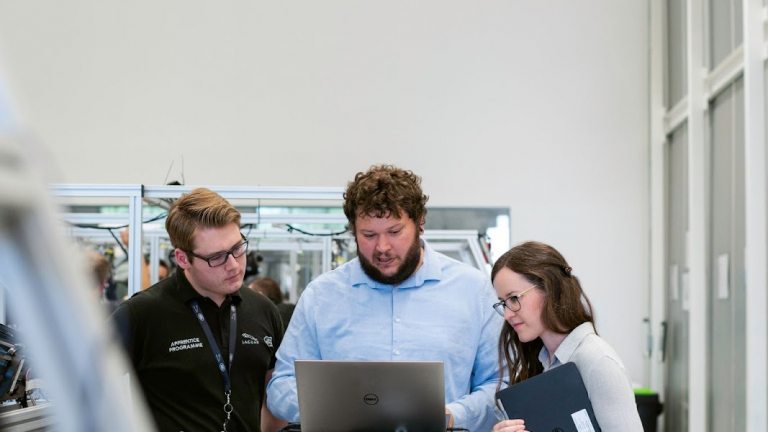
(50, 299)
(13, 367)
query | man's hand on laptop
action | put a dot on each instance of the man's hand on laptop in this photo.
(450, 417)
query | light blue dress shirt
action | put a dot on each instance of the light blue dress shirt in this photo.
(443, 312)
(607, 381)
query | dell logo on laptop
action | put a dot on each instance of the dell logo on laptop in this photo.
(371, 399)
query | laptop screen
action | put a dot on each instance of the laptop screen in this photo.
(370, 396)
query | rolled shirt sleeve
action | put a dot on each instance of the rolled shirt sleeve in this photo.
(477, 410)
(300, 342)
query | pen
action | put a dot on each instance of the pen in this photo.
(503, 410)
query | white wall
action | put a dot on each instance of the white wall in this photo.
(541, 106)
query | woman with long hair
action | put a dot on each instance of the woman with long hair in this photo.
(549, 322)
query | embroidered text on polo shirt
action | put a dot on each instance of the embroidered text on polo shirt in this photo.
(185, 344)
(249, 340)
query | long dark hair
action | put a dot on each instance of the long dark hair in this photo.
(565, 305)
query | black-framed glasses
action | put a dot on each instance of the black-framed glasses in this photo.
(220, 258)
(512, 302)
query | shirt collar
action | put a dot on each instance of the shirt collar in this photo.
(183, 291)
(429, 270)
(567, 347)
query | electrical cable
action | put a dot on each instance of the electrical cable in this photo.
(111, 229)
(292, 228)
(119, 243)
(89, 226)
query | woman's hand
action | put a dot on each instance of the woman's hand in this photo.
(510, 426)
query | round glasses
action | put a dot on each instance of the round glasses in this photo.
(512, 302)
(220, 258)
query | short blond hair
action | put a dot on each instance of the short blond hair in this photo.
(200, 208)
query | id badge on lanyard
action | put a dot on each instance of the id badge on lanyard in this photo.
(228, 408)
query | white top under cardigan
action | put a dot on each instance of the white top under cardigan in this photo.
(607, 381)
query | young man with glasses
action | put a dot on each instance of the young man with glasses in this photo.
(398, 300)
(202, 345)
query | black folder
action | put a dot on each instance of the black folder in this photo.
(554, 400)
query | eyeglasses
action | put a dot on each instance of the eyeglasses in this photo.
(512, 303)
(220, 258)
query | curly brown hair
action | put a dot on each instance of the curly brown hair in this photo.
(565, 305)
(384, 191)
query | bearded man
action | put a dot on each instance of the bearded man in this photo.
(399, 300)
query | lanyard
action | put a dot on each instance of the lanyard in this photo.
(217, 353)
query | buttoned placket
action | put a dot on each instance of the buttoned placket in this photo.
(223, 315)
(397, 327)
(219, 316)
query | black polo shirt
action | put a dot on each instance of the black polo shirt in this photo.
(175, 365)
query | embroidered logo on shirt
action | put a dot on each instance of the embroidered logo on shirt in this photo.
(268, 341)
(185, 344)
(249, 340)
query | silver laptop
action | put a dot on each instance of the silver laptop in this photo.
(371, 396)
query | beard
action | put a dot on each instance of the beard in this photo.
(407, 267)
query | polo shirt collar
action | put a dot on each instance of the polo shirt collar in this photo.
(184, 292)
(429, 270)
